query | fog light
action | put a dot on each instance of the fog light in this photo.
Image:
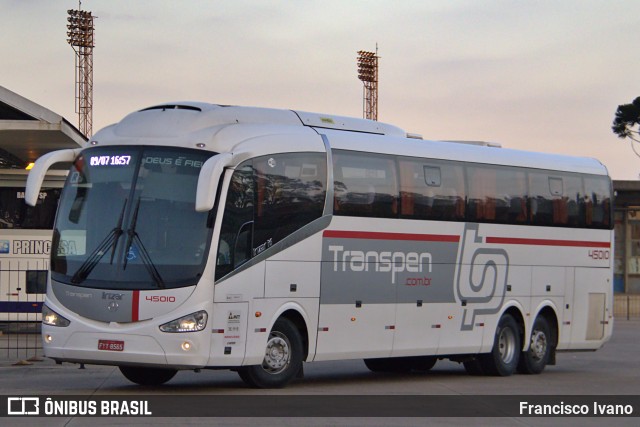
(48, 339)
(186, 346)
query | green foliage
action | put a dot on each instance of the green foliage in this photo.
(627, 117)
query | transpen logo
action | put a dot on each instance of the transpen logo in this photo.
(482, 277)
(4, 246)
(384, 262)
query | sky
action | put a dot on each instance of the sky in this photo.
(533, 75)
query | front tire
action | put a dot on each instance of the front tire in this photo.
(282, 360)
(534, 360)
(504, 357)
(147, 376)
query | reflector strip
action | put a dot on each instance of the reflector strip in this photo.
(436, 326)
(548, 242)
(390, 327)
(390, 236)
(261, 330)
(218, 331)
(323, 329)
(568, 322)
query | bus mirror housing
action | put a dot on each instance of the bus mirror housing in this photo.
(39, 170)
(208, 181)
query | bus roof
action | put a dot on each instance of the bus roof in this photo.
(194, 124)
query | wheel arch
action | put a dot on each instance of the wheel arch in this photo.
(296, 315)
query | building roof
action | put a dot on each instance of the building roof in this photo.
(622, 185)
(28, 130)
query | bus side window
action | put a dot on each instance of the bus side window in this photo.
(238, 212)
(290, 193)
(573, 202)
(541, 200)
(556, 199)
(481, 200)
(365, 185)
(431, 190)
(36, 281)
(597, 202)
(14, 212)
(497, 194)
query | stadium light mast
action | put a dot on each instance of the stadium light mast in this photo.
(368, 74)
(80, 31)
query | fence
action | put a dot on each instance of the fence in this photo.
(626, 306)
(20, 341)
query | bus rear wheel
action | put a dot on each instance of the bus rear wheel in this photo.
(534, 360)
(505, 354)
(282, 360)
(147, 376)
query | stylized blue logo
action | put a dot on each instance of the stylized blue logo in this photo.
(4, 246)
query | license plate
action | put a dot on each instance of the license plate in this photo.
(110, 345)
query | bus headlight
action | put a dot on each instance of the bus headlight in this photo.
(51, 318)
(193, 322)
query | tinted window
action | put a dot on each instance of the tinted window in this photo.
(15, 214)
(597, 202)
(442, 190)
(289, 192)
(496, 194)
(365, 185)
(269, 198)
(431, 189)
(556, 199)
(36, 281)
(234, 247)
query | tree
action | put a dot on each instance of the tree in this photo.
(627, 122)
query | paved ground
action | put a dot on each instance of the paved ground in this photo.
(613, 370)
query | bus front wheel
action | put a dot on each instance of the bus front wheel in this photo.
(147, 376)
(504, 356)
(282, 360)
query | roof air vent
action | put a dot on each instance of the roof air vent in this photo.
(172, 107)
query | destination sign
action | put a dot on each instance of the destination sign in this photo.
(110, 160)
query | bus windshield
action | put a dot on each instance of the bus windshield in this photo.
(127, 220)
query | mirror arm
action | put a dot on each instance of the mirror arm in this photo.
(210, 174)
(40, 168)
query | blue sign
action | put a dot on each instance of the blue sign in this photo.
(4, 246)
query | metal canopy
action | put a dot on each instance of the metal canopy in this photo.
(28, 130)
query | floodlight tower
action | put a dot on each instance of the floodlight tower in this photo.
(80, 37)
(368, 74)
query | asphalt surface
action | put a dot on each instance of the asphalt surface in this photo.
(613, 370)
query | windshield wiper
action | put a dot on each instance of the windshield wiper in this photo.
(110, 241)
(144, 254)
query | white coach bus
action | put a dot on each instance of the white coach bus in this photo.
(195, 236)
(25, 243)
